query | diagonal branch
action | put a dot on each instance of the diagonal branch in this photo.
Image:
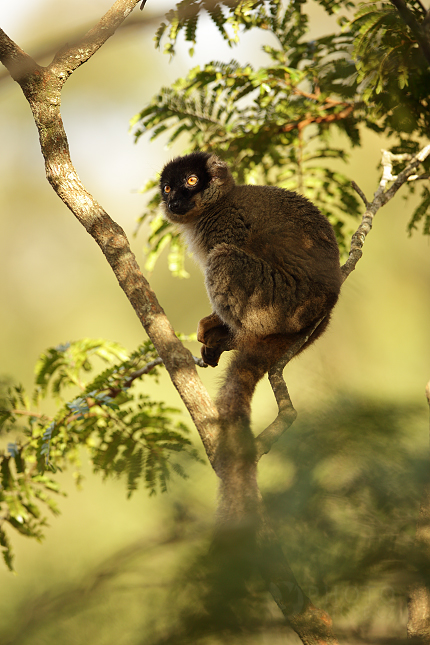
(287, 414)
(70, 58)
(42, 89)
(381, 197)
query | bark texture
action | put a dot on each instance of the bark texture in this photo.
(42, 88)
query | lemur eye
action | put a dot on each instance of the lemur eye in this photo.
(192, 180)
(167, 189)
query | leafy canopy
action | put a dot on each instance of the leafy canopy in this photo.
(125, 432)
(276, 124)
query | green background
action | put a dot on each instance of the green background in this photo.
(56, 286)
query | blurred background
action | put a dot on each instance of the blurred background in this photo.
(343, 486)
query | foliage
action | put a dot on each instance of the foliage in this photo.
(125, 432)
(346, 508)
(394, 78)
(275, 124)
(229, 16)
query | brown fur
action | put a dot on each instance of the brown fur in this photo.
(271, 265)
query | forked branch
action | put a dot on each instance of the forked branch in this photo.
(381, 197)
(42, 88)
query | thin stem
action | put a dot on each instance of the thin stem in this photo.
(360, 193)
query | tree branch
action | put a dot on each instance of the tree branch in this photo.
(42, 88)
(287, 414)
(328, 118)
(70, 58)
(419, 30)
(381, 197)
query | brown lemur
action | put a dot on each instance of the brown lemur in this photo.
(271, 265)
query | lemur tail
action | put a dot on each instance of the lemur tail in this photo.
(247, 367)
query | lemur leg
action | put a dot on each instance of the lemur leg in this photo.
(247, 294)
(215, 337)
(253, 302)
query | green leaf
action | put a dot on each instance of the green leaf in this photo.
(6, 550)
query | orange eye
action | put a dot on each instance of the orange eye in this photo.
(192, 180)
(167, 189)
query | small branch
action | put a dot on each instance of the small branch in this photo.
(36, 415)
(328, 118)
(114, 391)
(425, 175)
(418, 30)
(70, 58)
(150, 366)
(287, 414)
(381, 197)
(360, 192)
(143, 370)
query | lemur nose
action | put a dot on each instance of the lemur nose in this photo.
(173, 204)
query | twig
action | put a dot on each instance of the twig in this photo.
(114, 391)
(425, 175)
(328, 118)
(360, 192)
(28, 413)
(287, 414)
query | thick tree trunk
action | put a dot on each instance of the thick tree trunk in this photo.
(246, 543)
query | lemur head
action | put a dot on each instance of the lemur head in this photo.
(191, 183)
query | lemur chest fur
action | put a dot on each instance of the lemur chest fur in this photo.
(214, 227)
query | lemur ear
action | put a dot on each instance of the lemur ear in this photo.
(218, 170)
